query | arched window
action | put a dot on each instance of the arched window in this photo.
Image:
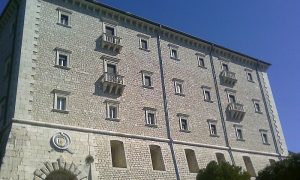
(157, 158)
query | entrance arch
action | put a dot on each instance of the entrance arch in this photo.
(59, 170)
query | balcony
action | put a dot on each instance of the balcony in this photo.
(228, 77)
(113, 83)
(236, 111)
(111, 43)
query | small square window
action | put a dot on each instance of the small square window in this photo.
(64, 19)
(60, 101)
(201, 62)
(112, 110)
(110, 31)
(144, 44)
(62, 60)
(178, 84)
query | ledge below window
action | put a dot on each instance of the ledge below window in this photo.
(243, 140)
(258, 112)
(62, 67)
(209, 101)
(214, 135)
(177, 59)
(180, 94)
(113, 119)
(60, 111)
(202, 67)
(144, 49)
(67, 26)
(186, 131)
(148, 87)
(266, 143)
(151, 125)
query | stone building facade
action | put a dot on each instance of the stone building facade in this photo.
(91, 92)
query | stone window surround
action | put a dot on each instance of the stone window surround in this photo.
(63, 52)
(213, 122)
(147, 73)
(110, 60)
(176, 82)
(240, 127)
(65, 12)
(262, 132)
(115, 104)
(110, 23)
(145, 38)
(207, 89)
(230, 92)
(224, 61)
(150, 110)
(199, 56)
(183, 116)
(257, 101)
(57, 94)
(174, 47)
(247, 71)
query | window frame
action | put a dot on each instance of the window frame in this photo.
(265, 140)
(239, 127)
(249, 71)
(201, 57)
(184, 117)
(143, 37)
(152, 111)
(61, 94)
(212, 122)
(149, 74)
(207, 89)
(64, 12)
(178, 83)
(257, 102)
(110, 60)
(112, 103)
(232, 93)
(60, 51)
(173, 47)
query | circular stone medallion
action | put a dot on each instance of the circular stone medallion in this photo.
(61, 140)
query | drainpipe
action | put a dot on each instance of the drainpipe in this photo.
(10, 73)
(267, 111)
(166, 104)
(219, 104)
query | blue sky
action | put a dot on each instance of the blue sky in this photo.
(268, 30)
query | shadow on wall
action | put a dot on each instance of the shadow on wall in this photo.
(4, 138)
(99, 90)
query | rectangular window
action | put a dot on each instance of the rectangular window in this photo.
(191, 160)
(147, 79)
(207, 96)
(184, 125)
(249, 77)
(118, 154)
(201, 62)
(231, 98)
(183, 122)
(178, 86)
(62, 58)
(174, 53)
(112, 110)
(150, 116)
(144, 44)
(220, 157)
(239, 134)
(249, 166)
(257, 107)
(111, 69)
(213, 129)
(60, 101)
(264, 136)
(110, 31)
(157, 158)
(256, 104)
(64, 17)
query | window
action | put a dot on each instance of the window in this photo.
(239, 132)
(183, 122)
(212, 124)
(147, 80)
(257, 107)
(64, 17)
(225, 67)
(200, 58)
(118, 154)
(150, 116)
(231, 98)
(206, 93)
(144, 41)
(112, 110)
(174, 51)
(110, 31)
(60, 101)
(157, 158)
(220, 157)
(191, 160)
(178, 84)
(62, 58)
(249, 166)
(249, 74)
(264, 136)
